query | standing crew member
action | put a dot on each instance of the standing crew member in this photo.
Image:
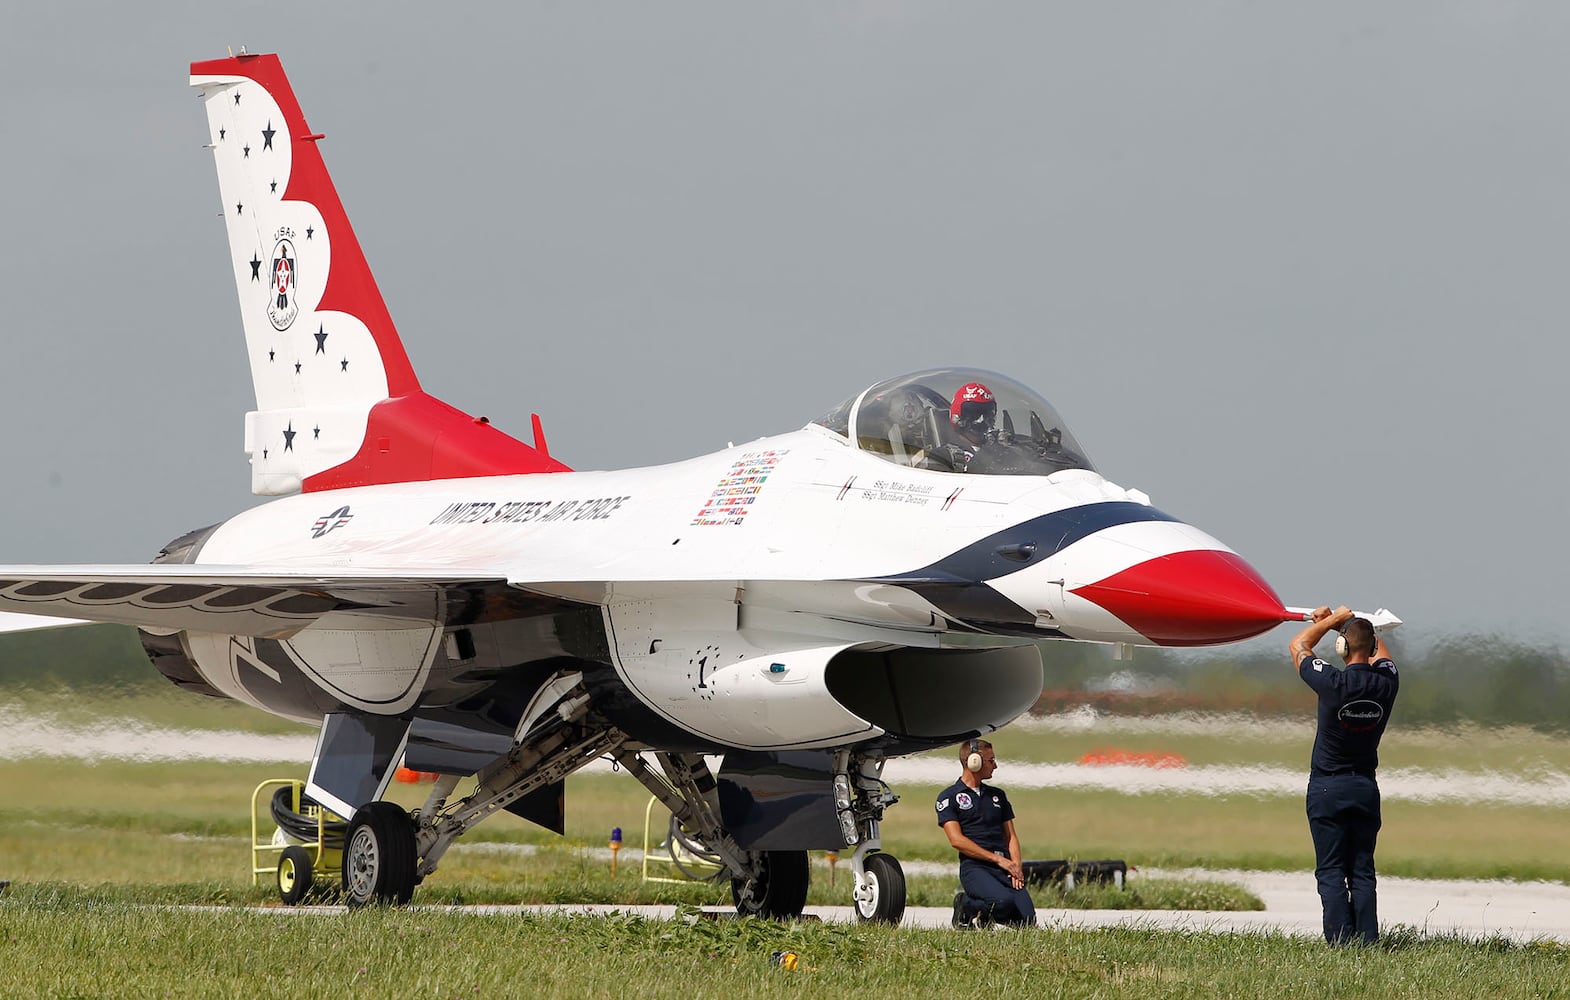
(980, 825)
(1343, 796)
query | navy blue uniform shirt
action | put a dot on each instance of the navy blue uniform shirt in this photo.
(981, 813)
(1354, 707)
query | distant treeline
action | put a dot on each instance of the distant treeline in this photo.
(1482, 679)
(1488, 680)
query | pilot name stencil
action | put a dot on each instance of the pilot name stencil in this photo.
(888, 491)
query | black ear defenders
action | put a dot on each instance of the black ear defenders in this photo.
(974, 762)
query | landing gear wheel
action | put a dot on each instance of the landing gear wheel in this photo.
(379, 856)
(294, 875)
(780, 890)
(887, 902)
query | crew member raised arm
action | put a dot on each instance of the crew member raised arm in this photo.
(1343, 796)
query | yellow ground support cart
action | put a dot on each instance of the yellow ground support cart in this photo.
(295, 840)
(684, 854)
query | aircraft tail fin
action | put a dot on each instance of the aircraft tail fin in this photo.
(337, 401)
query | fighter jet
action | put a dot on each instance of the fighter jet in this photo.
(751, 634)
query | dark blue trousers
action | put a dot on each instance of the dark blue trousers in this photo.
(992, 896)
(1343, 817)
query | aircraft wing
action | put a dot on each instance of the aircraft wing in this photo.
(30, 623)
(267, 602)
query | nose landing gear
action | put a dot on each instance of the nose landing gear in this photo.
(879, 895)
(861, 796)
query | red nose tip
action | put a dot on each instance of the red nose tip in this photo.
(1191, 599)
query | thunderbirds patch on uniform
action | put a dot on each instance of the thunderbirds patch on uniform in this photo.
(964, 800)
(1360, 716)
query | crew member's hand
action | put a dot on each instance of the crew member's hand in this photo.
(1319, 614)
(1015, 871)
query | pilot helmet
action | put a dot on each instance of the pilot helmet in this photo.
(973, 408)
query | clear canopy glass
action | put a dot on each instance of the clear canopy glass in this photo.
(959, 420)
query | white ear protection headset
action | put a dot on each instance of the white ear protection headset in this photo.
(974, 762)
(1341, 646)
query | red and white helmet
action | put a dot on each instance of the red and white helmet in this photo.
(973, 407)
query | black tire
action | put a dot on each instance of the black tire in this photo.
(379, 856)
(294, 875)
(887, 905)
(780, 890)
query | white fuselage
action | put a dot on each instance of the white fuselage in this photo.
(728, 583)
(817, 511)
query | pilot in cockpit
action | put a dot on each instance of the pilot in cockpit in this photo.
(974, 412)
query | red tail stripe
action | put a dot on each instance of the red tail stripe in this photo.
(418, 438)
(350, 286)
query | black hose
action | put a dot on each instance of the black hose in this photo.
(298, 826)
(680, 839)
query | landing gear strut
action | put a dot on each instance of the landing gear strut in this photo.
(860, 797)
(763, 883)
(388, 851)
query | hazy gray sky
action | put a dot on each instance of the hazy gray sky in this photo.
(1298, 271)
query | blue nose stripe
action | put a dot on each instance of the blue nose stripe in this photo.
(954, 584)
(1050, 533)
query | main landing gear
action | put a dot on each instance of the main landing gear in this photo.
(776, 887)
(387, 851)
(379, 855)
(774, 883)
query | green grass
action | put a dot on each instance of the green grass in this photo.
(156, 706)
(89, 846)
(126, 821)
(56, 943)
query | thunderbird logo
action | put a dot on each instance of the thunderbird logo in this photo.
(281, 305)
(337, 519)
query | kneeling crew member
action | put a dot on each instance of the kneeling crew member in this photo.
(1343, 797)
(980, 825)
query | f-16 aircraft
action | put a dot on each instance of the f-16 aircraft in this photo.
(799, 608)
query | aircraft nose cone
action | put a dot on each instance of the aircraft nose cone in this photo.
(1193, 598)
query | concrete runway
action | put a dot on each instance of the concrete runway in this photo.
(1518, 911)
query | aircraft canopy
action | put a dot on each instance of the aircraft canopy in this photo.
(958, 420)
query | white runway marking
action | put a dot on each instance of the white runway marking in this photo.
(31, 736)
